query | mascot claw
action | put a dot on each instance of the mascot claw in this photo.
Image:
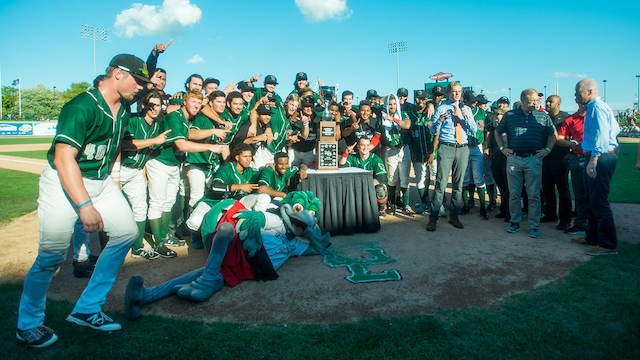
(318, 241)
(199, 290)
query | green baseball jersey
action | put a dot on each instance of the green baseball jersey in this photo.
(479, 115)
(168, 153)
(208, 161)
(228, 174)
(235, 123)
(139, 129)
(259, 93)
(87, 124)
(372, 163)
(421, 139)
(271, 178)
(280, 127)
(391, 134)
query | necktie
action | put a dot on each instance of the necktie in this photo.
(456, 116)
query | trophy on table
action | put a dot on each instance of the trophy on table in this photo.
(327, 147)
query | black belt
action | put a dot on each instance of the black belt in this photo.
(525, 153)
(453, 145)
(131, 166)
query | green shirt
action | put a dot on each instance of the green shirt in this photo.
(280, 127)
(372, 163)
(259, 93)
(168, 153)
(87, 124)
(139, 129)
(270, 177)
(235, 123)
(227, 175)
(208, 161)
(421, 139)
(391, 133)
(479, 115)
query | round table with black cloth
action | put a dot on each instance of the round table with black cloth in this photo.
(348, 198)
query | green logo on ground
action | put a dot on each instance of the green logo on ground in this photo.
(358, 267)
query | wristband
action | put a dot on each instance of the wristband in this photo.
(396, 121)
(501, 147)
(345, 154)
(547, 149)
(305, 124)
(84, 203)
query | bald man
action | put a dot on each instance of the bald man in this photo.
(526, 127)
(555, 173)
(599, 143)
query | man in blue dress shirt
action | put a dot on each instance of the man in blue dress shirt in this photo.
(453, 120)
(600, 143)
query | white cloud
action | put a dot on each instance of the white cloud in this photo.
(501, 91)
(559, 74)
(195, 59)
(321, 10)
(169, 19)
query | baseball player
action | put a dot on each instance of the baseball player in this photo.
(393, 129)
(163, 171)
(274, 181)
(369, 161)
(76, 183)
(142, 134)
(202, 165)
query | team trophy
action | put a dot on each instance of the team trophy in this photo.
(327, 147)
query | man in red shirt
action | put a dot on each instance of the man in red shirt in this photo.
(570, 135)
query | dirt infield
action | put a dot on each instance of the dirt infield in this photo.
(448, 268)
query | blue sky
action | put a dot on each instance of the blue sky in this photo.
(492, 46)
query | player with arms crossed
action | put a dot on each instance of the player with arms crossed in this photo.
(76, 183)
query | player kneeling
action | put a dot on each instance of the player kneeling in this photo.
(364, 159)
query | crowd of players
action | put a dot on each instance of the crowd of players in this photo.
(187, 150)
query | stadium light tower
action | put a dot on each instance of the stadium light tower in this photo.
(397, 48)
(95, 33)
(638, 95)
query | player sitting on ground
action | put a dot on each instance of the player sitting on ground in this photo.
(364, 159)
(234, 180)
(275, 181)
(244, 244)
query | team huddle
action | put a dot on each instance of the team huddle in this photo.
(223, 167)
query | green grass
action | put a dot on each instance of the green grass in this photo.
(33, 154)
(19, 194)
(625, 185)
(26, 140)
(591, 313)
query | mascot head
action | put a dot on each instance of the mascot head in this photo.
(300, 212)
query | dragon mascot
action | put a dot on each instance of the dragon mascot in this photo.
(242, 244)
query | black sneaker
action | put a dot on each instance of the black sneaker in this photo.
(408, 210)
(575, 230)
(465, 210)
(38, 337)
(134, 297)
(174, 241)
(83, 269)
(99, 321)
(144, 253)
(484, 216)
(164, 251)
(490, 207)
(562, 226)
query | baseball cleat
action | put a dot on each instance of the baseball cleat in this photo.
(98, 321)
(38, 337)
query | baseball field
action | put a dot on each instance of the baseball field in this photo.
(478, 292)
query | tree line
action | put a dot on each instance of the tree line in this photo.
(38, 102)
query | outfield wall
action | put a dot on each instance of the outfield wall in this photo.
(28, 128)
